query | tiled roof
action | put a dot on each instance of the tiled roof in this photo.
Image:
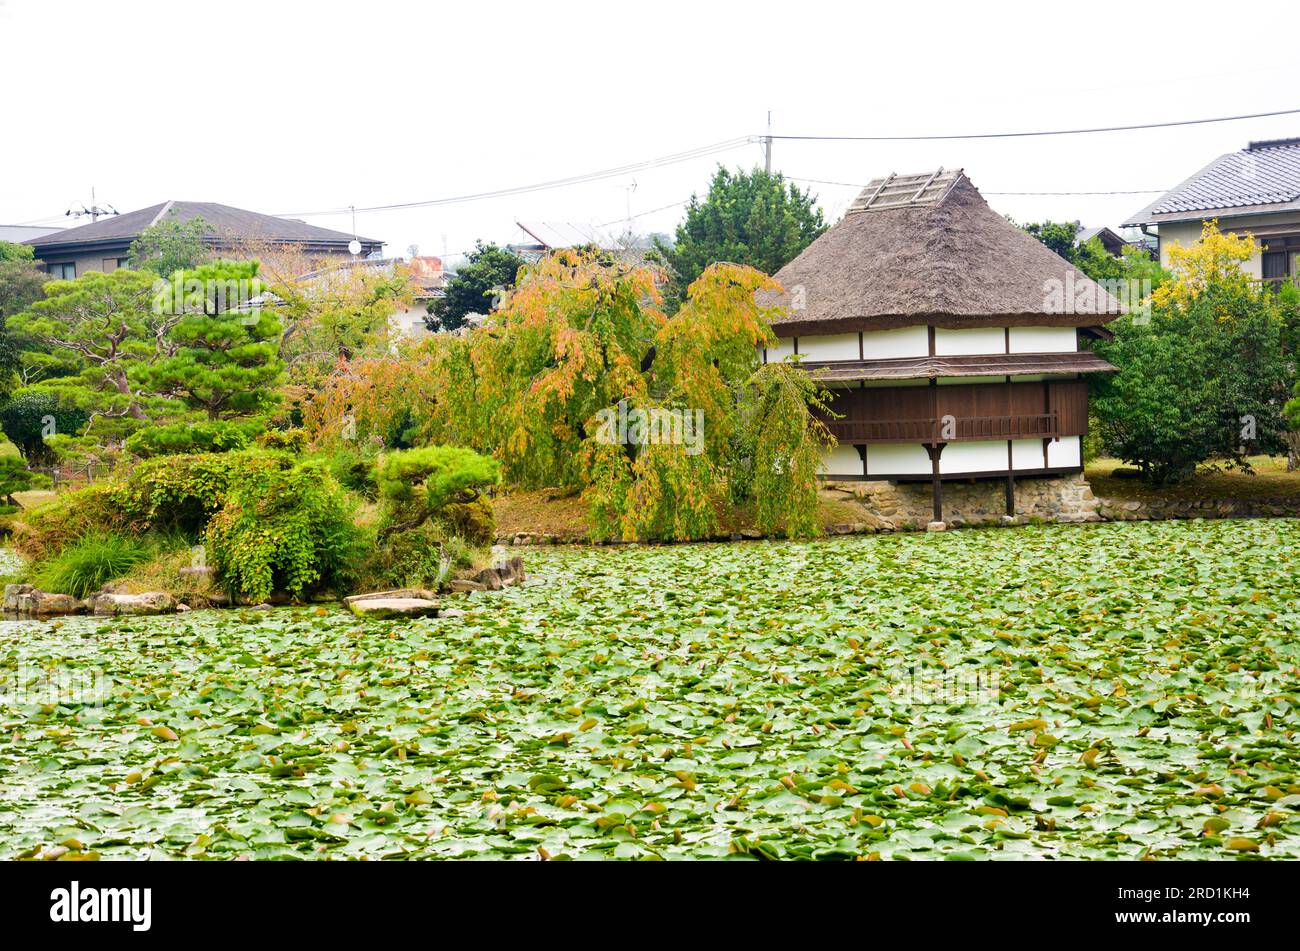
(222, 218)
(1263, 178)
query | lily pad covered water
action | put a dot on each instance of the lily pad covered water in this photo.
(1068, 692)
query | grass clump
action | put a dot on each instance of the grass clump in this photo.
(89, 563)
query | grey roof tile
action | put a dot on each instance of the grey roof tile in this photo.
(223, 218)
(1250, 181)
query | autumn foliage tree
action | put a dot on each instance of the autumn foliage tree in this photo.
(580, 341)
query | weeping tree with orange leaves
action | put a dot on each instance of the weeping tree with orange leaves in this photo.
(580, 381)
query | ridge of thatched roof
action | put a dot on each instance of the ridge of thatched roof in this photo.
(948, 261)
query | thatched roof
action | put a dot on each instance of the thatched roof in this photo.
(945, 258)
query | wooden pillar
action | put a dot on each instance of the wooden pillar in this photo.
(935, 450)
(1011, 480)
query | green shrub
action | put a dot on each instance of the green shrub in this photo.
(44, 531)
(354, 471)
(285, 529)
(421, 557)
(181, 493)
(433, 514)
(284, 440)
(16, 477)
(89, 563)
(24, 421)
(202, 437)
(473, 521)
(415, 484)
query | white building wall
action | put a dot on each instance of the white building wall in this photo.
(897, 459)
(911, 459)
(1064, 453)
(842, 461)
(830, 347)
(1027, 454)
(893, 344)
(975, 340)
(915, 342)
(1044, 340)
(973, 457)
(784, 348)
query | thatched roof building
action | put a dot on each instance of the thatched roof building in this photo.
(927, 249)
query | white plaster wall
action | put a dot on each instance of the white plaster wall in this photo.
(409, 321)
(892, 344)
(829, 347)
(842, 460)
(973, 457)
(949, 343)
(1027, 453)
(897, 459)
(784, 348)
(1044, 340)
(1064, 452)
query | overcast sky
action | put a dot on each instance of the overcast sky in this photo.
(287, 107)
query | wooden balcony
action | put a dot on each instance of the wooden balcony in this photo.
(959, 429)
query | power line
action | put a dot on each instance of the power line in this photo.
(701, 152)
(644, 214)
(1017, 135)
(1134, 191)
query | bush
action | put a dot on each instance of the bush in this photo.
(422, 557)
(16, 477)
(1199, 381)
(439, 473)
(433, 514)
(169, 494)
(204, 437)
(474, 521)
(181, 493)
(26, 418)
(285, 440)
(44, 531)
(285, 529)
(88, 564)
(355, 472)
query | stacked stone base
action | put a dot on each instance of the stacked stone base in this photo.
(909, 505)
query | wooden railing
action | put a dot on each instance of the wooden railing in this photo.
(957, 429)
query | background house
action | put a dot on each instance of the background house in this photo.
(105, 245)
(1255, 190)
(429, 278)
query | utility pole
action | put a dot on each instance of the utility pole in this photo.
(767, 144)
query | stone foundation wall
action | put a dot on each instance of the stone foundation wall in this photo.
(1131, 510)
(909, 505)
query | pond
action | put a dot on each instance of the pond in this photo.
(1058, 691)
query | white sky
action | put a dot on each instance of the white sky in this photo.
(287, 107)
